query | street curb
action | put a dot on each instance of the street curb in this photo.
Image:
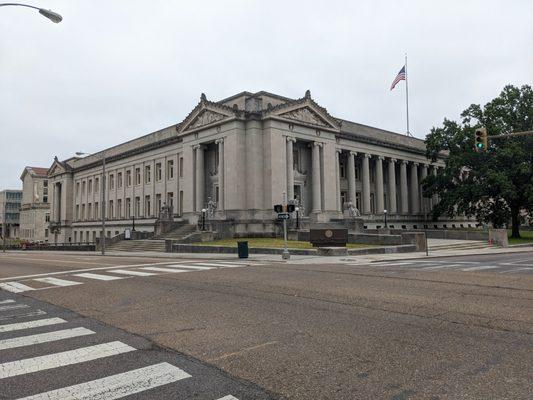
(452, 255)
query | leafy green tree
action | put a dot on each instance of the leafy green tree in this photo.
(492, 186)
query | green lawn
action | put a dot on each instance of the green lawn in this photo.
(526, 237)
(271, 243)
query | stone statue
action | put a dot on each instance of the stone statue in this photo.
(165, 213)
(211, 207)
(353, 211)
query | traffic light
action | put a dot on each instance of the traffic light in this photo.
(290, 207)
(480, 139)
(278, 208)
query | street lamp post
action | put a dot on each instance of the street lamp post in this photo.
(385, 212)
(52, 16)
(297, 209)
(102, 233)
(203, 218)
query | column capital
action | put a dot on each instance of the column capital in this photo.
(197, 147)
(367, 155)
(392, 160)
(219, 141)
(338, 151)
(353, 153)
(415, 164)
(380, 158)
(318, 144)
(291, 139)
(404, 162)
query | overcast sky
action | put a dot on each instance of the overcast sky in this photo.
(118, 69)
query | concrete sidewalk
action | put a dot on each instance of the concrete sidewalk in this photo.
(295, 259)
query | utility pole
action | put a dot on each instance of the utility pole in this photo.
(285, 255)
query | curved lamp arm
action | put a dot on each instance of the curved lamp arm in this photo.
(52, 16)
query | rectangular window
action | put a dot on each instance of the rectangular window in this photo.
(45, 183)
(158, 172)
(119, 208)
(357, 174)
(77, 212)
(128, 208)
(45, 199)
(83, 212)
(147, 175)
(147, 206)
(46, 233)
(47, 217)
(111, 181)
(358, 201)
(77, 189)
(119, 180)
(170, 169)
(128, 178)
(96, 213)
(342, 169)
(111, 210)
(158, 204)
(137, 176)
(170, 201)
(181, 167)
(90, 186)
(137, 206)
(89, 211)
(96, 185)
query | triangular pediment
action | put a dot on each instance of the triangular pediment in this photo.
(306, 112)
(206, 114)
(307, 116)
(56, 169)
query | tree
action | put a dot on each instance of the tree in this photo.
(493, 186)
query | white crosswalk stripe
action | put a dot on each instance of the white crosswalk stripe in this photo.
(23, 341)
(480, 268)
(228, 398)
(99, 277)
(57, 281)
(13, 307)
(192, 267)
(119, 385)
(31, 324)
(7, 301)
(212, 265)
(132, 273)
(159, 269)
(23, 315)
(56, 360)
(15, 287)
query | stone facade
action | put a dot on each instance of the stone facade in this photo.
(35, 207)
(241, 154)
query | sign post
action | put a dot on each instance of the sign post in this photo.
(285, 255)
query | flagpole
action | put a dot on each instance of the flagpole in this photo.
(407, 96)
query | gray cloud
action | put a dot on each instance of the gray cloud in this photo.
(116, 70)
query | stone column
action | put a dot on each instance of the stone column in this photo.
(403, 188)
(423, 174)
(415, 197)
(351, 176)
(57, 201)
(392, 187)
(221, 173)
(379, 186)
(435, 197)
(338, 178)
(290, 168)
(317, 201)
(366, 183)
(200, 178)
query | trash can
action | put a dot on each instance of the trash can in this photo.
(242, 249)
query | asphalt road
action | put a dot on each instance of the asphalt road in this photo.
(390, 331)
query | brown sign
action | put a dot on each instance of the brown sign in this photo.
(328, 237)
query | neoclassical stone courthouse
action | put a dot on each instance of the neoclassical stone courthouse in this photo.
(242, 153)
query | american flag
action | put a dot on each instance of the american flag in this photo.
(399, 77)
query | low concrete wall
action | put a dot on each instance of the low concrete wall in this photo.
(369, 238)
(77, 247)
(446, 233)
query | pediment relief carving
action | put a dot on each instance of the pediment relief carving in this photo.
(205, 117)
(306, 115)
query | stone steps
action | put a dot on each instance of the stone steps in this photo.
(474, 244)
(139, 245)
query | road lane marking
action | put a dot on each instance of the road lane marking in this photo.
(29, 314)
(7, 301)
(192, 267)
(480, 268)
(15, 287)
(211, 265)
(30, 324)
(58, 282)
(442, 266)
(99, 277)
(13, 307)
(28, 277)
(30, 340)
(56, 360)
(158, 269)
(512, 271)
(133, 273)
(119, 385)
